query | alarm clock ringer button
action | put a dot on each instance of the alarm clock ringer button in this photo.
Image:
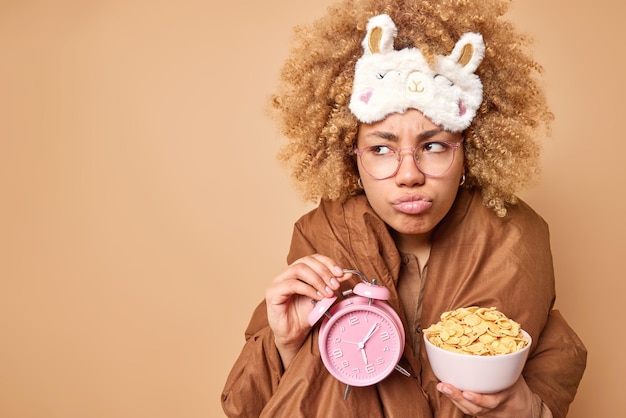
(320, 309)
(372, 291)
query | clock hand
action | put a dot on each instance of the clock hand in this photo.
(363, 354)
(367, 337)
(370, 333)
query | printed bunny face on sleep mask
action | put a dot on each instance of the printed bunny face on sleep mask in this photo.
(391, 81)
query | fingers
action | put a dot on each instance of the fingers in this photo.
(459, 398)
(474, 404)
(315, 276)
(288, 299)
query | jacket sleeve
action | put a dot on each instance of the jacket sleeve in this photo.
(561, 355)
(256, 373)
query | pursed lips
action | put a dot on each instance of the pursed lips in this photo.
(412, 204)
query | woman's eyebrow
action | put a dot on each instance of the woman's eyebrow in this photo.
(430, 133)
(384, 135)
(390, 136)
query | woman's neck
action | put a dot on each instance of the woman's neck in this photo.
(418, 245)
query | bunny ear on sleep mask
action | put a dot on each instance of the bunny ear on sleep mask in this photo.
(387, 81)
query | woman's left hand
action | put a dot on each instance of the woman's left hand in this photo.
(516, 401)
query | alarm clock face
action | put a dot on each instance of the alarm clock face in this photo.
(361, 344)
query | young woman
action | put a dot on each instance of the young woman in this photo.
(413, 124)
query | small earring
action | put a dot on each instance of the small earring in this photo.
(462, 180)
(359, 183)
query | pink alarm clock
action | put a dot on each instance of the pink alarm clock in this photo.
(361, 339)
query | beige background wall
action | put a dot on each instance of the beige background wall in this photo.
(142, 211)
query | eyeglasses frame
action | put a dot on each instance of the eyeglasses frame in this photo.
(400, 156)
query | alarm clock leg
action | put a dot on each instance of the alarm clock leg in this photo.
(403, 370)
(347, 392)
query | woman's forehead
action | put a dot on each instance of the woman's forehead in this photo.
(411, 123)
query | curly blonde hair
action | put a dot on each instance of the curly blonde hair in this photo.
(501, 150)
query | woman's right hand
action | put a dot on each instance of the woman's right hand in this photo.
(288, 300)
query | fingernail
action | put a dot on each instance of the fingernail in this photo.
(468, 396)
(329, 290)
(334, 282)
(444, 389)
(338, 270)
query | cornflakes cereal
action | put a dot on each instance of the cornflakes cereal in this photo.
(477, 331)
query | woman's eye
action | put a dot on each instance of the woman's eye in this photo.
(435, 147)
(380, 150)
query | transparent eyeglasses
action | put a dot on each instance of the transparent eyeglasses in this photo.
(431, 158)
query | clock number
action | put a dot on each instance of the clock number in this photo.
(384, 336)
(386, 348)
(337, 340)
(353, 320)
(356, 370)
(370, 368)
(380, 360)
(337, 353)
(345, 364)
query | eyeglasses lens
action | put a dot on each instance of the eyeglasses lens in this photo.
(384, 165)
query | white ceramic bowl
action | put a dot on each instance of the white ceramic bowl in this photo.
(480, 374)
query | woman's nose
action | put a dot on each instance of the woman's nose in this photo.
(408, 174)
